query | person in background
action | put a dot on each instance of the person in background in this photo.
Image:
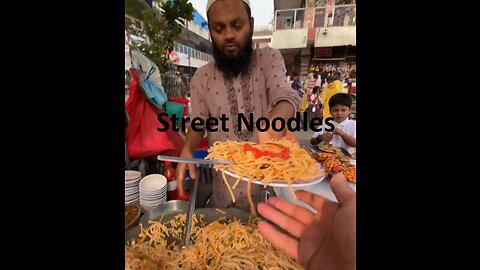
(345, 132)
(315, 101)
(333, 87)
(318, 79)
(297, 85)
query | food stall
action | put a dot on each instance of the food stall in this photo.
(222, 238)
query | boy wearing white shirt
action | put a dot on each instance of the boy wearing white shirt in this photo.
(345, 132)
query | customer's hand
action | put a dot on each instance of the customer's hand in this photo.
(326, 240)
(327, 137)
(338, 131)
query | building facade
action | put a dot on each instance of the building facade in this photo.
(312, 33)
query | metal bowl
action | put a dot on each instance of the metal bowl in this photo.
(168, 210)
(136, 219)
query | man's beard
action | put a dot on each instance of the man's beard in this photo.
(233, 65)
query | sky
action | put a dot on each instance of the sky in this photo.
(262, 10)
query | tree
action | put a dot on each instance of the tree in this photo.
(161, 28)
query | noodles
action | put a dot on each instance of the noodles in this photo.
(220, 211)
(269, 165)
(228, 186)
(237, 182)
(231, 245)
(280, 161)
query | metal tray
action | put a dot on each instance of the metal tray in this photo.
(167, 211)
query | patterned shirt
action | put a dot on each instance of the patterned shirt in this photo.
(255, 91)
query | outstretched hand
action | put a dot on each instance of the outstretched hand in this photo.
(326, 240)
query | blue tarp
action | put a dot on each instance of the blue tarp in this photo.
(197, 19)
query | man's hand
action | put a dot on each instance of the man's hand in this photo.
(180, 172)
(191, 143)
(284, 110)
(271, 135)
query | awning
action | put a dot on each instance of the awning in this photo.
(336, 36)
(290, 38)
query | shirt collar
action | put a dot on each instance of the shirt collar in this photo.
(343, 122)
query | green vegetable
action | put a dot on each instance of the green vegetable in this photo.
(193, 237)
(230, 240)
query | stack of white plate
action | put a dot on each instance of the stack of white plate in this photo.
(153, 191)
(132, 179)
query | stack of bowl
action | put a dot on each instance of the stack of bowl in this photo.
(132, 194)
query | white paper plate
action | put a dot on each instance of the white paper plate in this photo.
(281, 183)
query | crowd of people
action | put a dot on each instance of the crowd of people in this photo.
(347, 71)
(316, 89)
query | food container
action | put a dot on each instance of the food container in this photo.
(132, 216)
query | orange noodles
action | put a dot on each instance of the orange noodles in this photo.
(265, 162)
(218, 245)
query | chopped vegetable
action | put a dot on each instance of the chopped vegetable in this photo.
(230, 240)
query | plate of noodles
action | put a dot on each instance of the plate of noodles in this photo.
(279, 164)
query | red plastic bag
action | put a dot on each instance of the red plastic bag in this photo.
(142, 137)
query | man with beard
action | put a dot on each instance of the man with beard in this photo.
(240, 80)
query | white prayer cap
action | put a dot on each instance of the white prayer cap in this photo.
(210, 2)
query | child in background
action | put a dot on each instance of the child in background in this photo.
(345, 132)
